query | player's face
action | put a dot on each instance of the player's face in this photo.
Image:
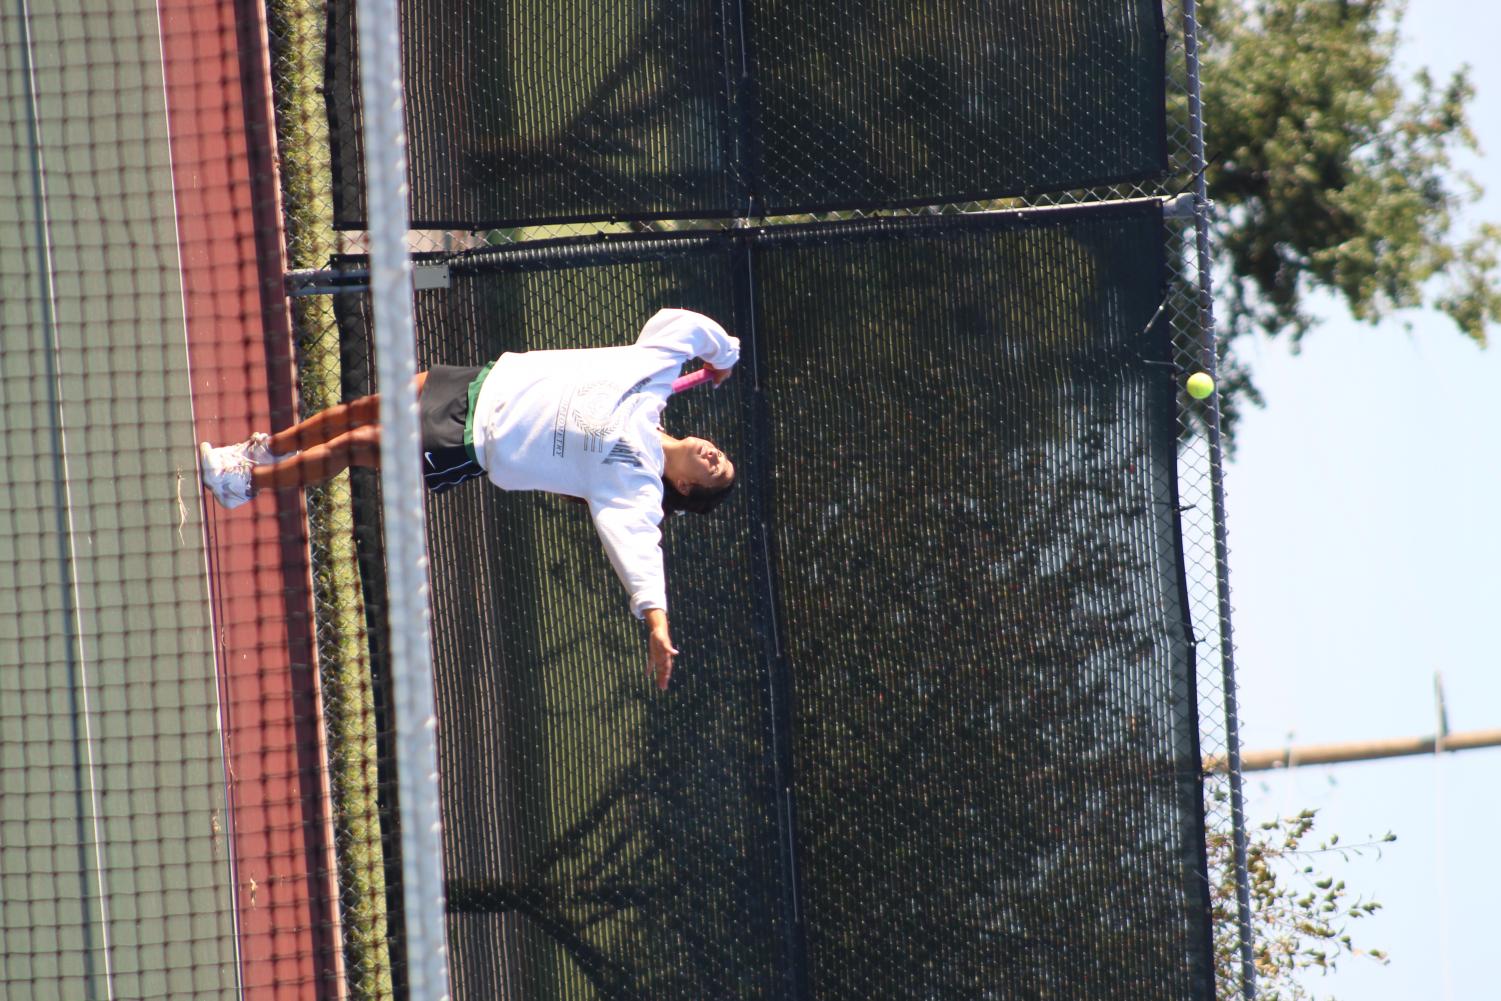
(708, 466)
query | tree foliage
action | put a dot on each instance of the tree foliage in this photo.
(1301, 919)
(1333, 173)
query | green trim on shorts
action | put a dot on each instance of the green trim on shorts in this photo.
(474, 388)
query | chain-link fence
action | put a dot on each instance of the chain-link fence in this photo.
(683, 187)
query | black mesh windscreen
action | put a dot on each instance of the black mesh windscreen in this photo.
(539, 110)
(993, 734)
(599, 841)
(932, 733)
(604, 843)
(889, 103)
(546, 109)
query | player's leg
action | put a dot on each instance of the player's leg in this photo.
(235, 477)
(326, 425)
(358, 446)
(446, 459)
(309, 452)
(329, 424)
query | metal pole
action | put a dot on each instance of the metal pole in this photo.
(1217, 486)
(401, 486)
(1364, 750)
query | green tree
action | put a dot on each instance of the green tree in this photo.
(1331, 172)
(1301, 918)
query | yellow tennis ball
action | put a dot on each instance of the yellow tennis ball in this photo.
(1200, 385)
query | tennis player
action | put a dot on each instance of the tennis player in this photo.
(582, 423)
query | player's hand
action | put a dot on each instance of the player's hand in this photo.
(660, 648)
(662, 652)
(719, 374)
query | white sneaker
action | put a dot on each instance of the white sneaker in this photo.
(226, 472)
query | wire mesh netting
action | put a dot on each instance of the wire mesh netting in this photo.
(935, 731)
(197, 778)
(528, 112)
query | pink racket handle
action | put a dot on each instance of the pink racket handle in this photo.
(692, 379)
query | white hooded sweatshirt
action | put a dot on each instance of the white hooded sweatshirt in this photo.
(583, 423)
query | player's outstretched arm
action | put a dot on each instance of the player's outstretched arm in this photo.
(684, 334)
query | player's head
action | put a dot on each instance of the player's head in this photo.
(699, 479)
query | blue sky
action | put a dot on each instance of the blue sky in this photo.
(1365, 553)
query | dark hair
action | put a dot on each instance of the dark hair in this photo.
(698, 499)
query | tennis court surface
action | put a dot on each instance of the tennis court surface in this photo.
(162, 814)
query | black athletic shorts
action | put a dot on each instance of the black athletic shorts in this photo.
(447, 460)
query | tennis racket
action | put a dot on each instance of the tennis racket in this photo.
(692, 379)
